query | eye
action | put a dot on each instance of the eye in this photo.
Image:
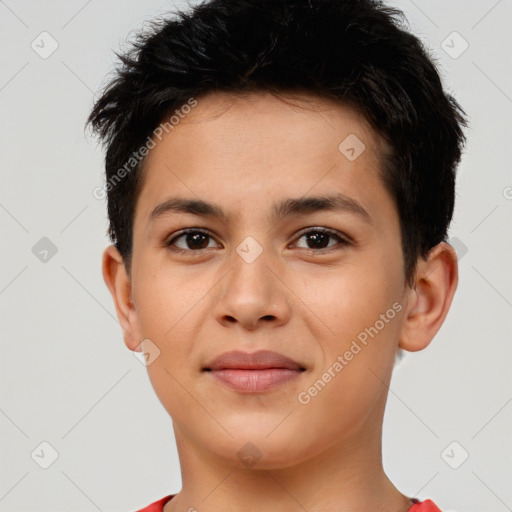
(196, 240)
(317, 239)
(193, 240)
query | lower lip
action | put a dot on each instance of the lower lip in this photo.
(253, 381)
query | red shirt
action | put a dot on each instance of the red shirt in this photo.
(423, 506)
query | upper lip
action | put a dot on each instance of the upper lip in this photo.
(260, 360)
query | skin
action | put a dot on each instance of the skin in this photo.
(244, 153)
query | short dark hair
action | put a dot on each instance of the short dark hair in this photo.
(355, 52)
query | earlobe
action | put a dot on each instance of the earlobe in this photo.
(119, 285)
(430, 299)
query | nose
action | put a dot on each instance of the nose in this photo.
(252, 295)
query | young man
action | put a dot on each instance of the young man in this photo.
(280, 180)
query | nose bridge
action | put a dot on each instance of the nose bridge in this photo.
(251, 291)
(251, 277)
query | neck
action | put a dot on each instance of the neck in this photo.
(345, 477)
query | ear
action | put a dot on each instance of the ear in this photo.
(117, 280)
(430, 298)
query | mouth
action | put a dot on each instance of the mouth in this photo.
(253, 372)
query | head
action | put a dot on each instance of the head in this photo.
(260, 119)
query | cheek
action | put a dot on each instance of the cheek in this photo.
(362, 307)
(168, 297)
(351, 382)
(353, 299)
(169, 313)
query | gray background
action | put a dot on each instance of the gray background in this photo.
(66, 376)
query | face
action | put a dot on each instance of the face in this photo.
(264, 267)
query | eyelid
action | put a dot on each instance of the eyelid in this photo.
(328, 231)
(178, 234)
(344, 239)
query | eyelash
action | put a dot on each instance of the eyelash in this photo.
(343, 241)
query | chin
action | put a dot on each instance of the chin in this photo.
(254, 449)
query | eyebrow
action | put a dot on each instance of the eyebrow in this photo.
(288, 207)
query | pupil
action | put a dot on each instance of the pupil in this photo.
(318, 237)
(195, 240)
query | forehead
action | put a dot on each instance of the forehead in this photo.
(259, 144)
(225, 108)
